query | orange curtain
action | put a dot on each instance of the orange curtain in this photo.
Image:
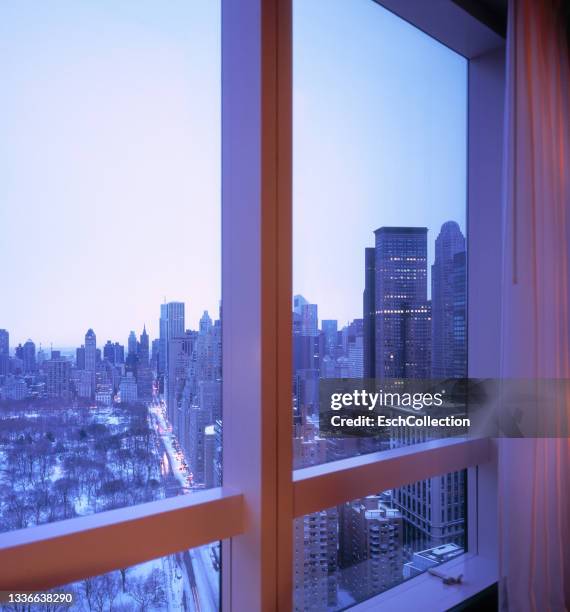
(534, 475)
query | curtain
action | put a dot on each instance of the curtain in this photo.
(534, 474)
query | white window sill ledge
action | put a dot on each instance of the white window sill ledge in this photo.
(428, 593)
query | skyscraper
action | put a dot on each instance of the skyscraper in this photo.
(143, 349)
(403, 328)
(128, 388)
(155, 353)
(433, 511)
(131, 362)
(109, 352)
(447, 277)
(132, 344)
(329, 328)
(119, 353)
(180, 351)
(459, 315)
(369, 312)
(29, 357)
(4, 352)
(90, 351)
(171, 326)
(370, 546)
(58, 375)
(315, 560)
(308, 316)
(80, 357)
(144, 373)
(4, 342)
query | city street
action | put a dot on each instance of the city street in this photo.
(201, 592)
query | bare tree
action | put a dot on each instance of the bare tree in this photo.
(149, 592)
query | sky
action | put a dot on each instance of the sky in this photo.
(110, 157)
(380, 120)
(109, 165)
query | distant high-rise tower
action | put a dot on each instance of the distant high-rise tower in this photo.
(4, 352)
(145, 376)
(444, 279)
(4, 342)
(90, 351)
(109, 352)
(369, 312)
(329, 328)
(119, 353)
(403, 320)
(171, 326)
(58, 373)
(132, 343)
(308, 316)
(29, 357)
(80, 357)
(143, 349)
(155, 353)
(460, 315)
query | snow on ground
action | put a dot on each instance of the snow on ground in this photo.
(82, 505)
(56, 473)
(175, 586)
(207, 578)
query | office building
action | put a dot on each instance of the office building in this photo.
(370, 546)
(143, 349)
(128, 389)
(369, 313)
(58, 376)
(29, 357)
(4, 342)
(403, 317)
(90, 351)
(447, 277)
(171, 325)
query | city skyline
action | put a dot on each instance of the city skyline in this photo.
(152, 323)
(178, 389)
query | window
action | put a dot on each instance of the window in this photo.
(351, 552)
(184, 581)
(379, 251)
(256, 512)
(110, 372)
(379, 222)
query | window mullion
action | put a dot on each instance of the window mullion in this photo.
(256, 293)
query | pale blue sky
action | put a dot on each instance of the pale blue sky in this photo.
(110, 156)
(109, 165)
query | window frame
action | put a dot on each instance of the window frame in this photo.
(253, 512)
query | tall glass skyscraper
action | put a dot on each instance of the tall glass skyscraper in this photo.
(403, 326)
(445, 282)
(171, 326)
(90, 350)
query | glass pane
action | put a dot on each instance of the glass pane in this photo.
(349, 553)
(189, 580)
(379, 270)
(110, 347)
(379, 277)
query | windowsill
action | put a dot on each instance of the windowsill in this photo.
(478, 574)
